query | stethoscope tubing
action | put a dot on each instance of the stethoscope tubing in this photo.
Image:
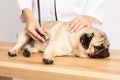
(39, 12)
(56, 18)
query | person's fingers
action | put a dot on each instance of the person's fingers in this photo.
(40, 31)
(78, 24)
(35, 35)
(70, 26)
(38, 36)
(74, 27)
(73, 23)
(80, 27)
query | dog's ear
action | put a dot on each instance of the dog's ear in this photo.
(85, 39)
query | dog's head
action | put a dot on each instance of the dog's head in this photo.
(96, 44)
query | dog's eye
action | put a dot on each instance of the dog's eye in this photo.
(99, 47)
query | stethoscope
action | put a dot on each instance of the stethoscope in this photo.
(39, 12)
(39, 16)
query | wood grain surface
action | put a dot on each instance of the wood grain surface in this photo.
(64, 68)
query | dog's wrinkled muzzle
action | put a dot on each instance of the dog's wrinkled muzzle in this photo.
(100, 54)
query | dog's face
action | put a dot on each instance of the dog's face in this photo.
(95, 44)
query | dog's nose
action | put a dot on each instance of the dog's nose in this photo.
(102, 54)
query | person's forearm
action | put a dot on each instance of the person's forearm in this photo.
(33, 28)
(27, 14)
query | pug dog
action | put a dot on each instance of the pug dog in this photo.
(92, 43)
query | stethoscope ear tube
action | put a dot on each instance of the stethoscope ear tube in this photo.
(39, 15)
(55, 10)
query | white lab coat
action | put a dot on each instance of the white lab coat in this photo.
(66, 9)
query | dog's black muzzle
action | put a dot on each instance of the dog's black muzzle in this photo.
(100, 54)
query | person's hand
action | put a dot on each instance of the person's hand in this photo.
(33, 28)
(79, 23)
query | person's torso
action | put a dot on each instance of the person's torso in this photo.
(66, 9)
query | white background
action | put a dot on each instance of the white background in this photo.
(10, 23)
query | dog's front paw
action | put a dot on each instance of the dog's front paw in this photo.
(26, 53)
(12, 54)
(48, 61)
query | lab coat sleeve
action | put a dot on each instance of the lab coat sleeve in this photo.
(95, 8)
(25, 4)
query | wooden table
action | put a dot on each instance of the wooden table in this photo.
(64, 68)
